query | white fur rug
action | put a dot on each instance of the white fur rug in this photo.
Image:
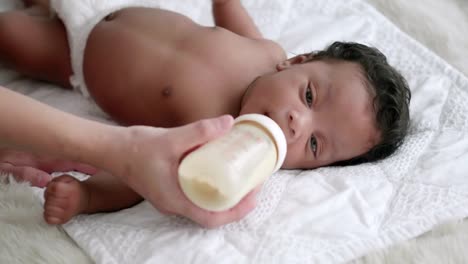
(440, 25)
(25, 237)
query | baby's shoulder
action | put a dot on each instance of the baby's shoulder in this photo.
(274, 49)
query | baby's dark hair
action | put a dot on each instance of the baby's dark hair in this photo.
(389, 89)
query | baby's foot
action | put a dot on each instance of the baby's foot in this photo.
(65, 197)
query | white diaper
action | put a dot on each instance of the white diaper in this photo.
(79, 18)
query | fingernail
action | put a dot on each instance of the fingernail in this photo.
(43, 180)
(225, 122)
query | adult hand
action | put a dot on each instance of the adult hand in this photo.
(151, 169)
(36, 169)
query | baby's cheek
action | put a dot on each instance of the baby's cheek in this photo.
(292, 161)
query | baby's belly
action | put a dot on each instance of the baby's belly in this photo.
(125, 46)
(141, 73)
(125, 69)
(150, 92)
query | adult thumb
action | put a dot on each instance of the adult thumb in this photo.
(32, 175)
(198, 133)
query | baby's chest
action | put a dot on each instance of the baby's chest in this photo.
(185, 99)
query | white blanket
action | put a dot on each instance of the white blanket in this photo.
(324, 215)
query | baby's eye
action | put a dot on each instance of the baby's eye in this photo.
(309, 96)
(313, 145)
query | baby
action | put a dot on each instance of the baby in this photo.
(147, 66)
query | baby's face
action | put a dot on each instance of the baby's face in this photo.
(323, 107)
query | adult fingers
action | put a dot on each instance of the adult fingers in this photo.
(215, 219)
(44, 163)
(198, 133)
(34, 176)
(64, 166)
(18, 158)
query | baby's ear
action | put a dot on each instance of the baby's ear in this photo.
(290, 62)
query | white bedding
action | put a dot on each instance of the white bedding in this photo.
(324, 215)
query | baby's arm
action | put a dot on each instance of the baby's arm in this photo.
(231, 15)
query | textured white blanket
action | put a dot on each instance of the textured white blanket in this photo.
(325, 215)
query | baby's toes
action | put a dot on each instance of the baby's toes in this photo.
(54, 212)
(63, 199)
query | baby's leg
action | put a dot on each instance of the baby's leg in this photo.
(66, 197)
(35, 45)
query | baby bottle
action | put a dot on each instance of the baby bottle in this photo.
(220, 173)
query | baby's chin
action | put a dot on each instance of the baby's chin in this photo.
(291, 167)
(287, 165)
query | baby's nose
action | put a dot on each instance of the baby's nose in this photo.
(294, 124)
